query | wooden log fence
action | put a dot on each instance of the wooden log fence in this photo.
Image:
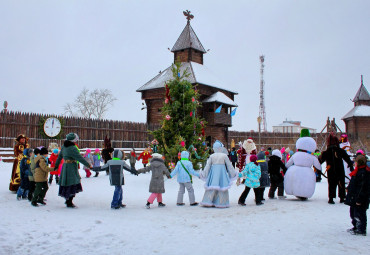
(123, 134)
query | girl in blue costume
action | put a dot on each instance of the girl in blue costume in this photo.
(218, 175)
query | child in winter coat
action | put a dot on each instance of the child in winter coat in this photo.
(265, 179)
(276, 176)
(252, 174)
(97, 158)
(145, 156)
(116, 177)
(89, 158)
(25, 168)
(358, 196)
(233, 156)
(184, 169)
(52, 159)
(41, 177)
(132, 157)
(32, 184)
(156, 187)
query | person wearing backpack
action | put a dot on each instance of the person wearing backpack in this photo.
(184, 170)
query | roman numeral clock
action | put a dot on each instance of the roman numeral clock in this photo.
(52, 127)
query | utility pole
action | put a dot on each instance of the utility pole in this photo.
(262, 112)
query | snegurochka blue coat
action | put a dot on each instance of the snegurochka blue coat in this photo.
(252, 172)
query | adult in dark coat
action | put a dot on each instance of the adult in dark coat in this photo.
(70, 179)
(334, 156)
(358, 196)
(21, 144)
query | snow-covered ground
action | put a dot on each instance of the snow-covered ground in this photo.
(277, 227)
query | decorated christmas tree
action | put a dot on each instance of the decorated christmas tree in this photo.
(181, 128)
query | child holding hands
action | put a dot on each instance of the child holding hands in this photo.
(184, 169)
(156, 187)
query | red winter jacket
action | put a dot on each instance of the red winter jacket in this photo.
(145, 156)
(52, 159)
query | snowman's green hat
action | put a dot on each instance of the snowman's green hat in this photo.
(305, 133)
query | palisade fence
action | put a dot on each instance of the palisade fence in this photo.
(273, 140)
(123, 134)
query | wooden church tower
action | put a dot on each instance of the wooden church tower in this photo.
(358, 119)
(213, 93)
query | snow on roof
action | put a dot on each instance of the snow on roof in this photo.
(220, 97)
(188, 39)
(362, 94)
(286, 124)
(197, 74)
(358, 111)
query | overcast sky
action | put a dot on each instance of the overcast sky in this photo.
(315, 52)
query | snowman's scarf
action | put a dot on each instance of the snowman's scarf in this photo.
(309, 152)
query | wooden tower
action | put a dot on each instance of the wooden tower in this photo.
(190, 52)
(358, 119)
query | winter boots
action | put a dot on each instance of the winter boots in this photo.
(160, 204)
(355, 231)
(51, 179)
(88, 173)
(69, 203)
(181, 204)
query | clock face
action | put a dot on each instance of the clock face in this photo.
(52, 127)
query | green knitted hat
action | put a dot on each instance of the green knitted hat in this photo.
(72, 137)
(305, 133)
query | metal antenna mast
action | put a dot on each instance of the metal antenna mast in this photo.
(262, 112)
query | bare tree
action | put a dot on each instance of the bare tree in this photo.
(91, 104)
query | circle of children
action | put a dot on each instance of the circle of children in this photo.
(279, 170)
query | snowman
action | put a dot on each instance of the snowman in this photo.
(300, 179)
(345, 145)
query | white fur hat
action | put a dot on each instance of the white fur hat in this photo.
(276, 153)
(156, 155)
(249, 145)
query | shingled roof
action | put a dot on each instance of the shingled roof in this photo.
(188, 39)
(221, 98)
(362, 94)
(198, 74)
(358, 111)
